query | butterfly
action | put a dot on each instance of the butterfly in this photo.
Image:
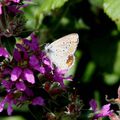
(61, 52)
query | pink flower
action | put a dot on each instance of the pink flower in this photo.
(103, 112)
(15, 74)
(0, 9)
(29, 76)
(21, 86)
(16, 1)
(7, 100)
(38, 101)
(4, 52)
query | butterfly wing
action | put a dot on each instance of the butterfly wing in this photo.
(61, 51)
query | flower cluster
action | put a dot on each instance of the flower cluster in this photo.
(28, 76)
(25, 72)
(28, 69)
(7, 3)
(105, 110)
(12, 19)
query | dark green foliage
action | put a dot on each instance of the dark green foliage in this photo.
(9, 43)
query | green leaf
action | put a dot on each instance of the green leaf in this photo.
(116, 68)
(90, 68)
(51, 5)
(12, 118)
(112, 9)
(111, 79)
(39, 9)
(9, 43)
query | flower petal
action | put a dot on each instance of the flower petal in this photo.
(34, 44)
(4, 52)
(9, 109)
(105, 110)
(20, 86)
(7, 84)
(29, 76)
(46, 61)
(17, 55)
(17, 1)
(38, 101)
(33, 61)
(2, 103)
(93, 104)
(15, 74)
(40, 69)
(0, 9)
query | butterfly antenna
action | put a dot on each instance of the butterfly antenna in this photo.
(43, 44)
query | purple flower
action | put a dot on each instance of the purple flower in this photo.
(15, 9)
(58, 76)
(2, 103)
(35, 64)
(47, 61)
(93, 104)
(0, 9)
(34, 44)
(20, 85)
(7, 100)
(7, 84)
(17, 55)
(4, 52)
(42, 65)
(29, 69)
(9, 109)
(38, 101)
(15, 74)
(41, 69)
(17, 1)
(33, 61)
(29, 76)
(7, 3)
(26, 73)
(10, 103)
(105, 110)
(47, 64)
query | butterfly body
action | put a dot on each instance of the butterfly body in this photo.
(61, 52)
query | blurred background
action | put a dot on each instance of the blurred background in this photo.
(97, 68)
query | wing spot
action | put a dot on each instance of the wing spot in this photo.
(70, 60)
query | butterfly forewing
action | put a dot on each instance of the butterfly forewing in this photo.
(67, 43)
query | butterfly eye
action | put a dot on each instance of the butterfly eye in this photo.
(48, 50)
